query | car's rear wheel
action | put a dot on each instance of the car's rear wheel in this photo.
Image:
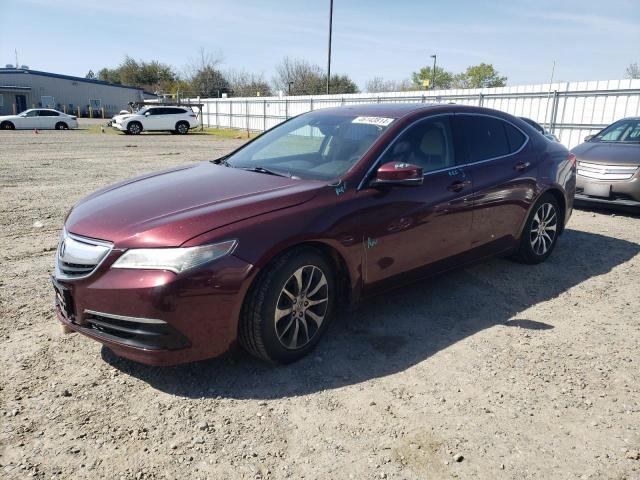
(288, 309)
(182, 128)
(134, 128)
(7, 126)
(62, 126)
(541, 231)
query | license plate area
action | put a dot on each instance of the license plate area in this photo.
(63, 299)
(597, 189)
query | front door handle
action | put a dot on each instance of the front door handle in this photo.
(458, 185)
(521, 166)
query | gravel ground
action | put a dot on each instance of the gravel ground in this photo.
(496, 371)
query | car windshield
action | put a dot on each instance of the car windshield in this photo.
(625, 131)
(317, 146)
(142, 111)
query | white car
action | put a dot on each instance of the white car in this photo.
(40, 118)
(151, 119)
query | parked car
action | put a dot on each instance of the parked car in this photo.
(609, 166)
(326, 209)
(40, 118)
(540, 129)
(172, 119)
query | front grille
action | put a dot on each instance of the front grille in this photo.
(77, 257)
(606, 172)
(133, 331)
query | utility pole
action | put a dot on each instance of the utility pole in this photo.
(329, 55)
(433, 73)
(290, 83)
(16, 52)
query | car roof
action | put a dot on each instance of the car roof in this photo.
(399, 110)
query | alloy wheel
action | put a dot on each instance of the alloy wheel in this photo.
(301, 307)
(543, 229)
(134, 128)
(182, 128)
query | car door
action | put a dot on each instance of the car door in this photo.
(504, 177)
(47, 119)
(28, 119)
(154, 119)
(410, 227)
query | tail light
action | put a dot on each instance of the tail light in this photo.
(572, 158)
(193, 115)
(73, 118)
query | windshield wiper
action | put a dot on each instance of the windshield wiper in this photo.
(259, 169)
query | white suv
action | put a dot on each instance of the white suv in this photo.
(151, 119)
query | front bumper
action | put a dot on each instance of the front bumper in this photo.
(624, 193)
(118, 126)
(157, 317)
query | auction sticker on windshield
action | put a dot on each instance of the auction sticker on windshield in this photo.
(379, 121)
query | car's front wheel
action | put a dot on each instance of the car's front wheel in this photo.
(182, 128)
(61, 126)
(7, 126)
(134, 128)
(288, 309)
(541, 231)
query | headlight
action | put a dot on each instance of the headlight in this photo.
(173, 259)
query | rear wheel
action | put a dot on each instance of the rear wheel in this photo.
(134, 128)
(7, 126)
(182, 128)
(62, 126)
(541, 231)
(288, 309)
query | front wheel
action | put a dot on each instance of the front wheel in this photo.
(540, 233)
(134, 128)
(288, 309)
(61, 126)
(7, 126)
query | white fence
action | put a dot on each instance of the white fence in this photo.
(570, 110)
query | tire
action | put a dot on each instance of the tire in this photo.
(7, 126)
(61, 126)
(182, 128)
(538, 240)
(272, 326)
(134, 128)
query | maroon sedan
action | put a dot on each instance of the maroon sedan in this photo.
(259, 247)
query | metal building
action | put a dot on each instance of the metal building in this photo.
(22, 88)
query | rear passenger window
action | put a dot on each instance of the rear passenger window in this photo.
(514, 136)
(484, 137)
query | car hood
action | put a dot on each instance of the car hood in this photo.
(608, 153)
(119, 118)
(168, 208)
(7, 117)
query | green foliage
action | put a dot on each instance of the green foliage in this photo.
(443, 79)
(209, 82)
(479, 76)
(475, 76)
(151, 75)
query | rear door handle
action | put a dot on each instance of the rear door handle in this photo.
(521, 166)
(458, 185)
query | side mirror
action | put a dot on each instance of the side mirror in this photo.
(588, 137)
(396, 173)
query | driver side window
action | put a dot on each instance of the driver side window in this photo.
(428, 144)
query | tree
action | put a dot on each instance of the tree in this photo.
(309, 79)
(90, 75)
(479, 76)
(244, 84)
(379, 84)
(151, 75)
(205, 77)
(443, 79)
(633, 71)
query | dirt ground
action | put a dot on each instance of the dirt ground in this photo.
(496, 371)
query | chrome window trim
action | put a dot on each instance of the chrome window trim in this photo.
(90, 241)
(361, 185)
(125, 318)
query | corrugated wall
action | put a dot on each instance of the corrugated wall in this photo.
(570, 110)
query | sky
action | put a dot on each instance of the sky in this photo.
(588, 39)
